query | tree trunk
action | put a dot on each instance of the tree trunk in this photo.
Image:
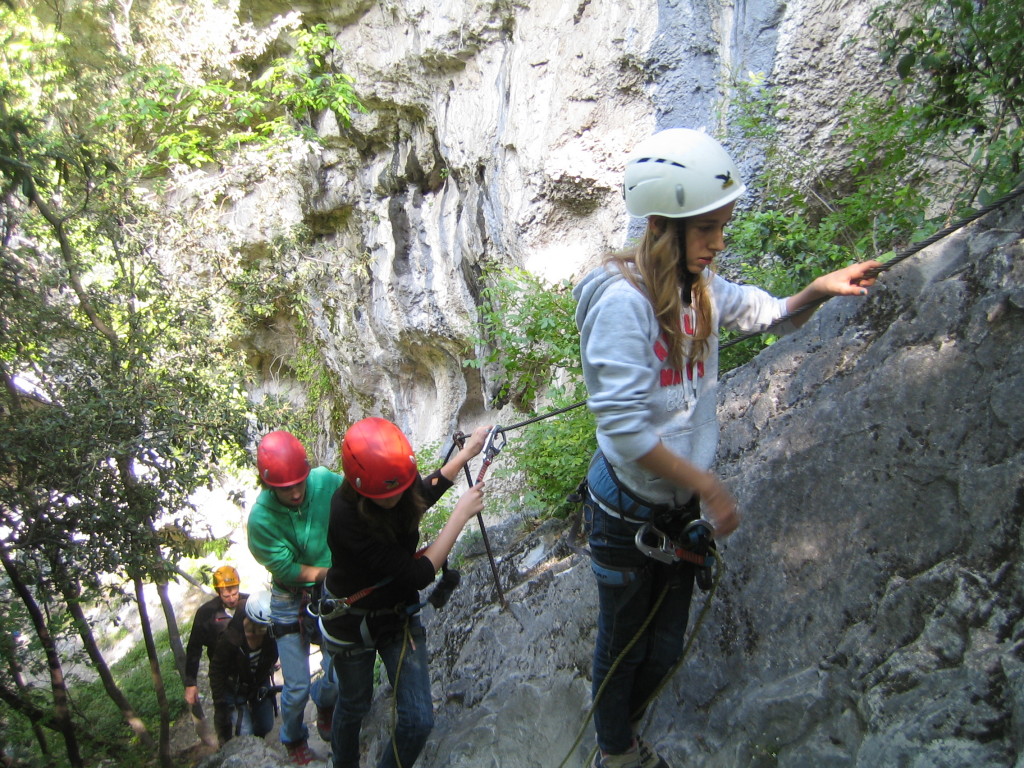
(34, 715)
(158, 679)
(72, 595)
(109, 685)
(61, 710)
(172, 628)
(203, 727)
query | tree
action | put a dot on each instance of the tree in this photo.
(123, 394)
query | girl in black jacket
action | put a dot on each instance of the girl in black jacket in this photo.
(374, 536)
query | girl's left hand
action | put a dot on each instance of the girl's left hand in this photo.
(853, 280)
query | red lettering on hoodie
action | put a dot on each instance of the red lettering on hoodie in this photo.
(671, 376)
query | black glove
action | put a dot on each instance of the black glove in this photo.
(450, 579)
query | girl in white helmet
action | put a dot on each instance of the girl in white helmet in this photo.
(242, 668)
(649, 321)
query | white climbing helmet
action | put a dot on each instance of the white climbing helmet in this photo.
(679, 172)
(257, 607)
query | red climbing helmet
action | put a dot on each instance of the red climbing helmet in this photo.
(281, 460)
(377, 458)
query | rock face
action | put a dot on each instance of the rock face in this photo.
(870, 612)
(495, 135)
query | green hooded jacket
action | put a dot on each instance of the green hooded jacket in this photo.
(283, 538)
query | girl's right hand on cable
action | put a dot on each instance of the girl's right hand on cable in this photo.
(720, 509)
(471, 503)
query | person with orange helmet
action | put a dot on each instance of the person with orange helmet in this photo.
(211, 618)
(287, 532)
(377, 572)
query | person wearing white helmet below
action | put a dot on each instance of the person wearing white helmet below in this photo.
(241, 668)
(211, 619)
(374, 535)
(287, 532)
(649, 321)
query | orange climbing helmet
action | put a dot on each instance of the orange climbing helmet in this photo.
(225, 576)
(377, 458)
(281, 460)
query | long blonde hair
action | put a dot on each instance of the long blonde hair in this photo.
(657, 268)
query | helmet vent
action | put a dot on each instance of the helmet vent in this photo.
(659, 160)
(680, 195)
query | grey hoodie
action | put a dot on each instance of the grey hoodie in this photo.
(637, 399)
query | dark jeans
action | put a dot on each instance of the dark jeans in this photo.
(257, 718)
(223, 720)
(623, 609)
(410, 678)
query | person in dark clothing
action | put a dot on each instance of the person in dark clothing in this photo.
(242, 667)
(374, 535)
(210, 621)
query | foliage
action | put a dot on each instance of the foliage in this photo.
(133, 676)
(529, 335)
(107, 737)
(175, 120)
(554, 454)
(960, 62)
(122, 390)
(528, 329)
(944, 137)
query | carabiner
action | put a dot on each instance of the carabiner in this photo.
(696, 538)
(492, 447)
(664, 551)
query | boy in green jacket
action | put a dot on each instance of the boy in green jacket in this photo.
(288, 535)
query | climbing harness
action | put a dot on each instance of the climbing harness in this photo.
(329, 607)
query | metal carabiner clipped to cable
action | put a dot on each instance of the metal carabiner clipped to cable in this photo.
(492, 447)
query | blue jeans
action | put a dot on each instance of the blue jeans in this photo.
(623, 609)
(257, 718)
(410, 678)
(293, 653)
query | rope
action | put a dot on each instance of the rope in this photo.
(406, 640)
(611, 671)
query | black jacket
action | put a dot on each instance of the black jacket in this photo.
(360, 560)
(210, 620)
(230, 670)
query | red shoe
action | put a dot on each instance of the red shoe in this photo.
(299, 753)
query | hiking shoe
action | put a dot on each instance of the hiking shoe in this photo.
(648, 757)
(629, 759)
(299, 753)
(323, 722)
